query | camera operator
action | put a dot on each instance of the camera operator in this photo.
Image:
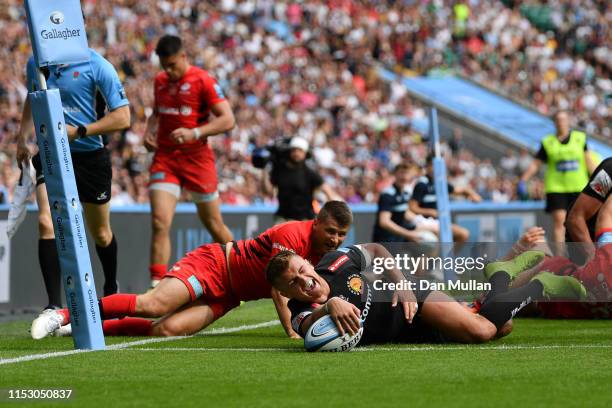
(293, 179)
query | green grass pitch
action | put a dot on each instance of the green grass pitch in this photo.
(542, 363)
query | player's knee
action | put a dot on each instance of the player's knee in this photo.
(481, 332)
(45, 226)
(103, 236)
(159, 224)
(169, 328)
(152, 306)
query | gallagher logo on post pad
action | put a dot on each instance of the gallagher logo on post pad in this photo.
(57, 17)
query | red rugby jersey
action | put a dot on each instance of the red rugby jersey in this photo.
(184, 103)
(249, 258)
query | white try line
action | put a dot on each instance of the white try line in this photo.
(120, 346)
(369, 349)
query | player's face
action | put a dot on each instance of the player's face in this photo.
(174, 65)
(301, 282)
(327, 235)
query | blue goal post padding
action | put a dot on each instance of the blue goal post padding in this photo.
(440, 183)
(57, 32)
(68, 223)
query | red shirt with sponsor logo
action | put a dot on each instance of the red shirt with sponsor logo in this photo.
(249, 258)
(184, 103)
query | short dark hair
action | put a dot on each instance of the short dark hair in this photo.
(339, 211)
(168, 46)
(277, 265)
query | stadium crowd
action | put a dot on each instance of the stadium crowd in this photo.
(293, 68)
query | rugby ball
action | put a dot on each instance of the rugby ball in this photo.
(323, 335)
(427, 237)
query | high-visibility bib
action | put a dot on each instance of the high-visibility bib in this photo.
(567, 171)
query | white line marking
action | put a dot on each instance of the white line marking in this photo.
(211, 332)
(120, 346)
(367, 349)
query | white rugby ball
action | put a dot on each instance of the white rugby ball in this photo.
(427, 237)
(323, 335)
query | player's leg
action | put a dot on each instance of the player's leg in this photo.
(47, 251)
(163, 197)
(209, 211)
(199, 177)
(189, 319)
(97, 217)
(455, 321)
(165, 298)
(164, 193)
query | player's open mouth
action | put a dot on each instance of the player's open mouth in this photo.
(310, 285)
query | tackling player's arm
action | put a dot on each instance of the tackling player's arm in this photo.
(284, 314)
(405, 297)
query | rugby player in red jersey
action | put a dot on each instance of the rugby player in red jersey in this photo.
(595, 275)
(189, 108)
(213, 279)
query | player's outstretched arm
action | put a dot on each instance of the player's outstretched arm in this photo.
(284, 314)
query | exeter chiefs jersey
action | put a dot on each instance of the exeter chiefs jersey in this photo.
(343, 271)
(87, 90)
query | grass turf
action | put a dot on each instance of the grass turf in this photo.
(543, 363)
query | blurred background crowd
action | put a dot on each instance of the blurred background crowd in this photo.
(308, 69)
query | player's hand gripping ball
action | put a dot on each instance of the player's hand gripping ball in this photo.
(323, 335)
